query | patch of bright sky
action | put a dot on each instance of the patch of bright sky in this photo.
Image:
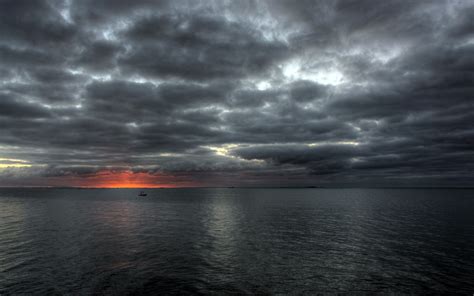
(169, 155)
(295, 69)
(355, 159)
(14, 79)
(132, 125)
(380, 53)
(351, 143)
(13, 163)
(469, 41)
(115, 75)
(99, 77)
(65, 11)
(56, 106)
(109, 33)
(354, 126)
(225, 150)
(263, 85)
(328, 71)
(142, 80)
(386, 54)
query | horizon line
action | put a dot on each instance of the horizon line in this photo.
(246, 187)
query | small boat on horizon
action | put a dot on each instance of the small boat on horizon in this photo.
(142, 193)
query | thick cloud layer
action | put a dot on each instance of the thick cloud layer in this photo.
(251, 93)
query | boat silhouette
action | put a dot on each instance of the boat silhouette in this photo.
(142, 193)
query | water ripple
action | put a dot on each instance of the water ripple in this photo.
(236, 241)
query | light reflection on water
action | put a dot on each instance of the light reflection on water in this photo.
(242, 241)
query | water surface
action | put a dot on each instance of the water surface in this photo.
(236, 241)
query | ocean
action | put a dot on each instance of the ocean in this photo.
(221, 241)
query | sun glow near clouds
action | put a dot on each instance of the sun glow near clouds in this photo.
(226, 151)
(14, 163)
(223, 150)
(129, 179)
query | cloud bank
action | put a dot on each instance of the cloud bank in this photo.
(237, 93)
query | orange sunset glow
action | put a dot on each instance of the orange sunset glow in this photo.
(127, 179)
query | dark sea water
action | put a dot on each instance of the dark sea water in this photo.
(236, 241)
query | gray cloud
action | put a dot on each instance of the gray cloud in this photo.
(197, 48)
(243, 93)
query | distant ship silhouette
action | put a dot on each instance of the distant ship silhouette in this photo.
(142, 193)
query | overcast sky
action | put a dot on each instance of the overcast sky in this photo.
(237, 93)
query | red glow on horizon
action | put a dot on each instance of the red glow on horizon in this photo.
(124, 179)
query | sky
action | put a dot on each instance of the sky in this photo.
(100, 93)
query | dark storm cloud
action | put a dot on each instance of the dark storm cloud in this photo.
(33, 23)
(197, 48)
(303, 91)
(98, 55)
(16, 108)
(248, 92)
